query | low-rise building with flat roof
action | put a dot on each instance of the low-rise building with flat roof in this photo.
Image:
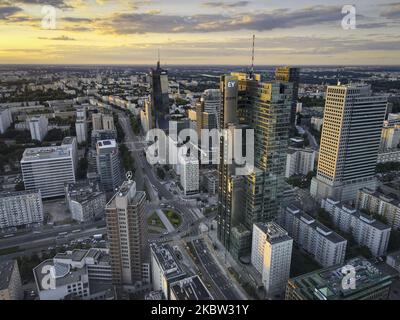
(372, 282)
(85, 201)
(77, 274)
(165, 268)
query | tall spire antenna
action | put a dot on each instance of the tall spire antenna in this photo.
(252, 57)
(158, 61)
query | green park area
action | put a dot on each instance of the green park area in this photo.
(155, 221)
(174, 218)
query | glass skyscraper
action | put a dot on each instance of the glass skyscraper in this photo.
(243, 200)
(159, 98)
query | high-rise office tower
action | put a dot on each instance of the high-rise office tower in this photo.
(265, 107)
(127, 235)
(208, 110)
(159, 98)
(350, 142)
(109, 165)
(290, 74)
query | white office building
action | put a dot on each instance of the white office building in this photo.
(326, 246)
(38, 127)
(271, 255)
(5, 119)
(20, 208)
(299, 161)
(48, 169)
(366, 230)
(76, 275)
(72, 142)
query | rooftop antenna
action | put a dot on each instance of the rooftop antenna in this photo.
(158, 61)
(252, 58)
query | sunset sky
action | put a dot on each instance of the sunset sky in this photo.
(302, 32)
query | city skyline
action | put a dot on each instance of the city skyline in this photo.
(199, 32)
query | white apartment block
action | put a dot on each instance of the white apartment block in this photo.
(48, 169)
(19, 208)
(81, 112)
(189, 171)
(389, 156)
(327, 247)
(38, 127)
(81, 129)
(271, 255)
(378, 203)
(366, 230)
(299, 161)
(5, 119)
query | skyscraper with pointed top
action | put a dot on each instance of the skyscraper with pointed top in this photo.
(159, 97)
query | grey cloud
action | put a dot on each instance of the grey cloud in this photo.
(222, 4)
(61, 38)
(62, 4)
(392, 11)
(130, 23)
(8, 11)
